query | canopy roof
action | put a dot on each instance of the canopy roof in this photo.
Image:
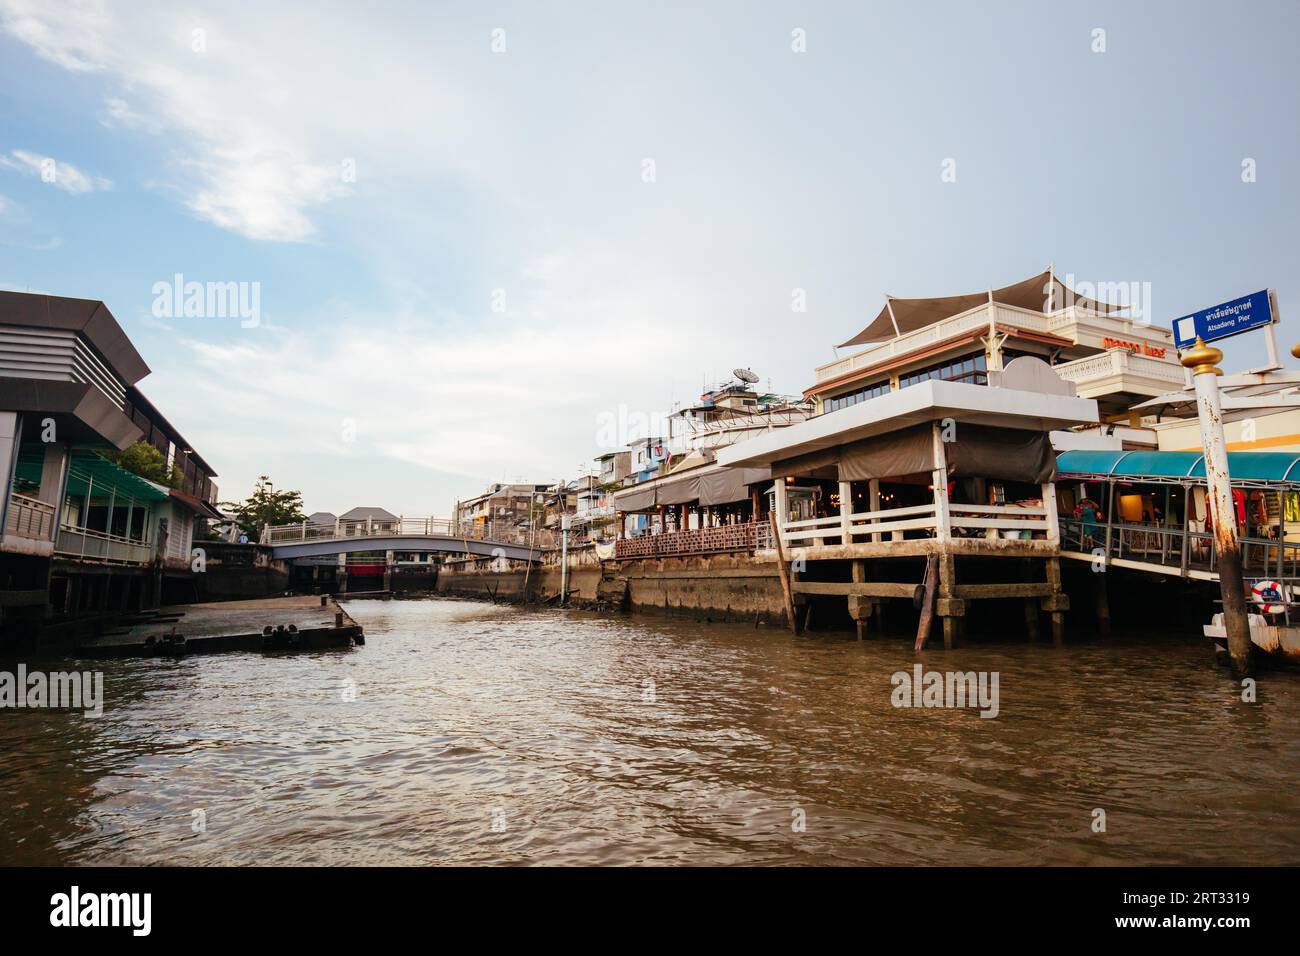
(92, 473)
(708, 486)
(1245, 467)
(1034, 293)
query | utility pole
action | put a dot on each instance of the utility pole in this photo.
(564, 559)
(1203, 361)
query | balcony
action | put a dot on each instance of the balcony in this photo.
(29, 526)
(86, 544)
(1121, 371)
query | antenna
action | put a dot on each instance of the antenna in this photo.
(745, 375)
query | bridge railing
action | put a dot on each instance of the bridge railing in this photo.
(301, 531)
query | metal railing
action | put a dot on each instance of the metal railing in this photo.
(750, 536)
(1178, 551)
(29, 518)
(301, 531)
(88, 544)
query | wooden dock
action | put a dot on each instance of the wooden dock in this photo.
(308, 622)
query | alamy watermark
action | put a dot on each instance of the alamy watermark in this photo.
(179, 299)
(1134, 296)
(63, 690)
(949, 689)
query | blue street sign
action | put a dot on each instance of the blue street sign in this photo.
(1229, 318)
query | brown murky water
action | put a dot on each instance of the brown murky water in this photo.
(483, 734)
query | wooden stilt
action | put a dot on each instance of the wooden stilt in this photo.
(784, 570)
(1031, 617)
(948, 607)
(927, 602)
(1100, 593)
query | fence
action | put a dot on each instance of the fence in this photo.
(751, 536)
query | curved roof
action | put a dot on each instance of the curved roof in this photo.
(913, 314)
(1243, 466)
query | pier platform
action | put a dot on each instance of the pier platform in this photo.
(305, 622)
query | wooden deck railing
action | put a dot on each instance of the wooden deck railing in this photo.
(964, 520)
(29, 518)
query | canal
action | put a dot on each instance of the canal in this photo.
(471, 733)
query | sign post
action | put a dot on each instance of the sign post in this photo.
(1203, 362)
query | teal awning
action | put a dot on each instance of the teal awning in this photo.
(88, 468)
(1245, 467)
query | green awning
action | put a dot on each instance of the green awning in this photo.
(88, 468)
(1270, 467)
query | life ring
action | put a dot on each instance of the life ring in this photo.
(1270, 596)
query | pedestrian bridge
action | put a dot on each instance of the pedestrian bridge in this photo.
(306, 540)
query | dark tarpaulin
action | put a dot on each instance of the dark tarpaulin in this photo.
(681, 491)
(805, 464)
(635, 499)
(1007, 454)
(730, 484)
(899, 453)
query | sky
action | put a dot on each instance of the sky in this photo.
(470, 236)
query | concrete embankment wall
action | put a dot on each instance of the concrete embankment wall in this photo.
(508, 585)
(729, 587)
(720, 587)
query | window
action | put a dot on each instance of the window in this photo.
(969, 368)
(853, 398)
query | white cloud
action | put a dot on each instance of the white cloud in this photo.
(63, 175)
(475, 173)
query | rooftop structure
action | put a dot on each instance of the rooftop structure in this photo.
(1115, 359)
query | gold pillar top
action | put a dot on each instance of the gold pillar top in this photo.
(1202, 358)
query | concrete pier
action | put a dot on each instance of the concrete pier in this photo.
(310, 622)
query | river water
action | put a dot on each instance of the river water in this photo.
(470, 733)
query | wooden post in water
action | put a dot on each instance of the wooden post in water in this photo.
(927, 602)
(786, 590)
(949, 602)
(860, 608)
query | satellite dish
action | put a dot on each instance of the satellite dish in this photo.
(745, 375)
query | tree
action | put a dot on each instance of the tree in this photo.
(145, 460)
(265, 506)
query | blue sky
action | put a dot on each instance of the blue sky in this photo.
(500, 275)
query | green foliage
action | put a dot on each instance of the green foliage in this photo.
(265, 506)
(145, 460)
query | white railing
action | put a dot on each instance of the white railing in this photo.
(1120, 361)
(990, 520)
(1001, 518)
(1062, 322)
(29, 518)
(88, 544)
(301, 531)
